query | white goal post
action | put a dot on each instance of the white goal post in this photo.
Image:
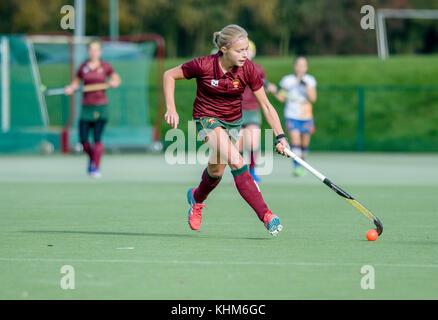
(383, 14)
(5, 85)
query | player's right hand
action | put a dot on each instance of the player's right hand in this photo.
(281, 144)
(69, 90)
(172, 118)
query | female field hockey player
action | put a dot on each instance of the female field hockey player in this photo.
(251, 118)
(298, 90)
(221, 80)
(94, 112)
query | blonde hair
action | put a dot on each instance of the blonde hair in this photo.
(228, 35)
(299, 58)
(94, 42)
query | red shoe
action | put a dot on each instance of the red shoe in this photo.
(194, 216)
(272, 223)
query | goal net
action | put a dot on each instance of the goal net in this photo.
(24, 118)
(32, 64)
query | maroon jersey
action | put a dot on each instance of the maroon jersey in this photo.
(94, 76)
(219, 94)
(249, 101)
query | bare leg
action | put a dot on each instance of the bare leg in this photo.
(295, 138)
(223, 148)
(223, 151)
(305, 141)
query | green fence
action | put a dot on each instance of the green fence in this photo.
(23, 122)
(129, 123)
(28, 118)
(376, 118)
(356, 118)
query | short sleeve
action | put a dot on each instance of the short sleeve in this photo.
(80, 72)
(261, 72)
(285, 83)
(254, 80)
(192, 69)
(310, 81)
(108, 69)
(263, 75)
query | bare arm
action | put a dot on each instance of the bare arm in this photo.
(272, 118)
(169, 78)
(311, 94)
(114, 80)
(280, 95)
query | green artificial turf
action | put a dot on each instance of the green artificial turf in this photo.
(126, 235)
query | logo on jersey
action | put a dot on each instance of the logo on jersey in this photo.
(236, 84)
(211, 120)
(214, 83)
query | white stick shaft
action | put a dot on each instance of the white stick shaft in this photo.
(54, 92)
(313, 171)
(87, 88)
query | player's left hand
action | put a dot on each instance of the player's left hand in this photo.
(113, 83)
(271, 88)
(172, 118)
(281, 143)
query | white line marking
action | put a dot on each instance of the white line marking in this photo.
(317, 264)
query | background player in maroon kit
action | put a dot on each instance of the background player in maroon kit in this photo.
(94, 111)
(221, 80)
(252, 118)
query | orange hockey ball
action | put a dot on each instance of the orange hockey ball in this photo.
(372, 235)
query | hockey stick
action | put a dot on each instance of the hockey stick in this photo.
(339, 191)
(86, 88)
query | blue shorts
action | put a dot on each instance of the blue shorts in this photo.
(303, 126)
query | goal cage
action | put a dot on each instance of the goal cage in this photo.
(30, 64)
(383, 14)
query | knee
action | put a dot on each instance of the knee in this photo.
(254, 144)
(237, 164)
(98, 146)
(216, 171)
(83, 136)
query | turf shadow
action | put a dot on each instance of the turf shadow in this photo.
(145, 234)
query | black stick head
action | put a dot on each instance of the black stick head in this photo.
(379, 226)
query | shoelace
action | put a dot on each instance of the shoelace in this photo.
(197, 208)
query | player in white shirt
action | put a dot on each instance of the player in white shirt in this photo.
(298, 90)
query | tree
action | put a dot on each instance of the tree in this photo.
(277, 26)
